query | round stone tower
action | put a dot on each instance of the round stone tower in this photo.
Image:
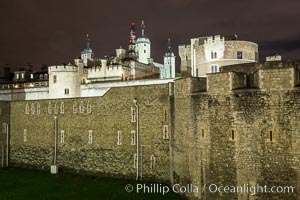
(143, 47)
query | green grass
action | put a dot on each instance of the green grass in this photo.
(24, 184)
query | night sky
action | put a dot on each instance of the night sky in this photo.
(53, 32)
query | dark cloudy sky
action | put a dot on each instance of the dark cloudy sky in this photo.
(53, 31)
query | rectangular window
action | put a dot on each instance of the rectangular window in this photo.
(54, 79)
(270, 135)
(202, 133)
(18, 76)
(62, 136)
(232, 134)
(212, 55)
(75, 107)
(119, 138)
(239, 55)
(133, 137)
(133, 115)
(90, 137)
(165, 132)
(67, 91)
(31, 76)
(25, 135)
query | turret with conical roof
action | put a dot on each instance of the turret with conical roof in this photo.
(143, 46)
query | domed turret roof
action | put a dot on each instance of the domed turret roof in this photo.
(169, 53)
(143, 39)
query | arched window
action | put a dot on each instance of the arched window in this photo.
(215, 55)
(41, 76)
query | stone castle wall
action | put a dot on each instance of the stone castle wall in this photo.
(205, 152)
(231, 128)
(32, 133)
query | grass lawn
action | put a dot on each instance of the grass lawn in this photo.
(38, 185)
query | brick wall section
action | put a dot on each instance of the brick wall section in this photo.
(109, 114)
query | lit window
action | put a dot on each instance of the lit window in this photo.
(239, 55)
(62, 136)
(31, 76)
(90, 137)
(25, 135)
(119, 138)
(67, 91)
(165, 132)
(132, 137)
(22, 75)
(18, 76)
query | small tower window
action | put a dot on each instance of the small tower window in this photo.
(27, 109)
(38, 108)
(239, 55)
(41, 76)
(67, 91)
(197, 72)
(215, 55)
(75, 107)
(54, 79)
(22, 75)
(31, 76)
(212, 55)
(144, 51)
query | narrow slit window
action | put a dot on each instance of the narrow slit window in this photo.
(62, 136)
(133, 137)
(232, 135)
(133, 115)
(152, 161)
(25, 135)
(119, 138)
(90, 137)
(203, 133)
(271, 137)
(134, 160)
(62, 108)
(165, 132)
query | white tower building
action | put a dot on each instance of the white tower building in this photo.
(143, 47)
(168, 70)
(87, 54)
(64, 81)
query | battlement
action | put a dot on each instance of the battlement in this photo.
(63, 68)
(275, 76)
(214, 39)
